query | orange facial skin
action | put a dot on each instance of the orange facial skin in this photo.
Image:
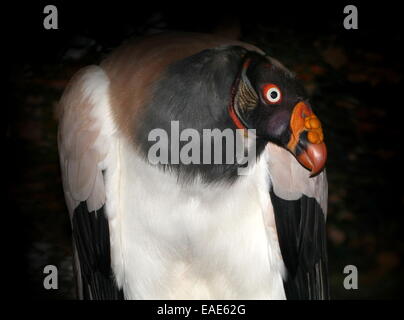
(314, 154)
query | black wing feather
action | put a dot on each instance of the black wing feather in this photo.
(301, 231)
(91, 237)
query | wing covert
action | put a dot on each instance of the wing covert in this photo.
(84, 142)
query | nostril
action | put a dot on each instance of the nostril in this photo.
(305, 110)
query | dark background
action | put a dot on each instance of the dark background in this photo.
(355, 78)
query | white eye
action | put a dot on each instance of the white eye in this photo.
(272, 93)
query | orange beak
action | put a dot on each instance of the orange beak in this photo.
(307, 140)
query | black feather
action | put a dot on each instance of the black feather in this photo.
(91, 238)
(301, 232)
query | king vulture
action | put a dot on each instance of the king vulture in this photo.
(144, 230)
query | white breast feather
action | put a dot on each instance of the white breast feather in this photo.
(194, 241)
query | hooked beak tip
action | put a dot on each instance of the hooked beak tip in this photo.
(314, 158)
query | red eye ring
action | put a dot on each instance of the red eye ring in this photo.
(271, 93)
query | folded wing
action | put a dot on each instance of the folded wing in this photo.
(300, 206)
(85, 142)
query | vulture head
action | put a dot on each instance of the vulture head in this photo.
(230, 87)
(269, 98)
